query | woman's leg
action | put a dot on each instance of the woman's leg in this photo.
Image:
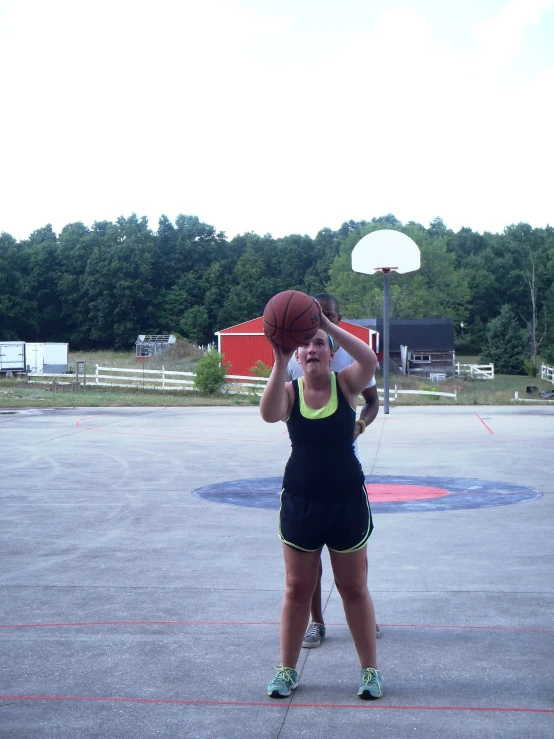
(350, 571)
(300, 580)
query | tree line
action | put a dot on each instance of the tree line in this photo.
(100, 287)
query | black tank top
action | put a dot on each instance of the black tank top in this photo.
(322, 463)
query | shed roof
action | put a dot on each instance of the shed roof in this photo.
(415, 333)
(155, 339)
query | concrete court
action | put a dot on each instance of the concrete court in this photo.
(131, 608)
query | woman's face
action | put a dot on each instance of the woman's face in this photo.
(316, 355)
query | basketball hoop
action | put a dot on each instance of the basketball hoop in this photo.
(386, 246)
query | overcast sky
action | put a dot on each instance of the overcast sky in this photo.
(276, 116)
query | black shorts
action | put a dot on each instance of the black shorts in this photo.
(343, 524)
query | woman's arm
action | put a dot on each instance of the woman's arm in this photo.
(277, 398)
(358, 374)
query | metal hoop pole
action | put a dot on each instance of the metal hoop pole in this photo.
(386, 310)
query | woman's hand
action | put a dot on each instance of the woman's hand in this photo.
(324, 322)
(281, 355)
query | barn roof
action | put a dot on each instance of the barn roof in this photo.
(255, 326)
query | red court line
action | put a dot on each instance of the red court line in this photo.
(80, 624)
(364, 706)
(484, 424)
(455, 440)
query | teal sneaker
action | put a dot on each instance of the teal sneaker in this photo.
(371, 684)
(285, 681)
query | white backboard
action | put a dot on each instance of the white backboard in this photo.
(385, 249)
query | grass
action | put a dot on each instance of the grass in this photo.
(180, 357)
(499, 391)
(16, 393)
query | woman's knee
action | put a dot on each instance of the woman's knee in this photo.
(352, 590)
(299, 588)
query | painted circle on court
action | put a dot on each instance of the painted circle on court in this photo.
(387, 493)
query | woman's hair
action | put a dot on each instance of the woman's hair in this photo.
(329, 339)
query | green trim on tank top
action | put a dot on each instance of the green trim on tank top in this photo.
(328, 409)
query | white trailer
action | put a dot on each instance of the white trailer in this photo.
(49, 358)
(12, 357)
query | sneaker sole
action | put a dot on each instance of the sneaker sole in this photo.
(276, 694)
(311, 645)
(366, 696)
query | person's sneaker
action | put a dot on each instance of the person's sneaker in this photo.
(371, 684)
(315, 634)
(285, 681)
(379, 632)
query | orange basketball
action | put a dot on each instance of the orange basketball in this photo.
(291, 318)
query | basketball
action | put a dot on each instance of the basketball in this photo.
(291, 318)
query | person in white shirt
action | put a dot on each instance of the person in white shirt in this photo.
(329, 306)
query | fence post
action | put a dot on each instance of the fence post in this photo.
(163, 378)
(96, 376)
(492, 371)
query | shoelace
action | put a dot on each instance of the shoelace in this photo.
(369, 675)
(284, 674)
(313, 630)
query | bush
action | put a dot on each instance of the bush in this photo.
(260, 369)
(532, 368)
(210, 372)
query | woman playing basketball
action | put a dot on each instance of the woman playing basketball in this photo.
(324, 501)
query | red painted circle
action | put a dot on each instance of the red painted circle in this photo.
(398, 493)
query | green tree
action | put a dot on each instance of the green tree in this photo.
(75, 245)
(194, 324)
(44, 270)
(326, 247)
(18, 310)
(506, 343)
(118, 282)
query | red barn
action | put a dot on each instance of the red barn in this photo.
(243, 345)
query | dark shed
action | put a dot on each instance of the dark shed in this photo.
(429, 342)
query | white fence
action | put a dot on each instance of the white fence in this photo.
(394, 393)
(547, 373)
(476, 371)
(145, 379)
(171, 380)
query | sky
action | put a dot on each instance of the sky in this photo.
(276, 116)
